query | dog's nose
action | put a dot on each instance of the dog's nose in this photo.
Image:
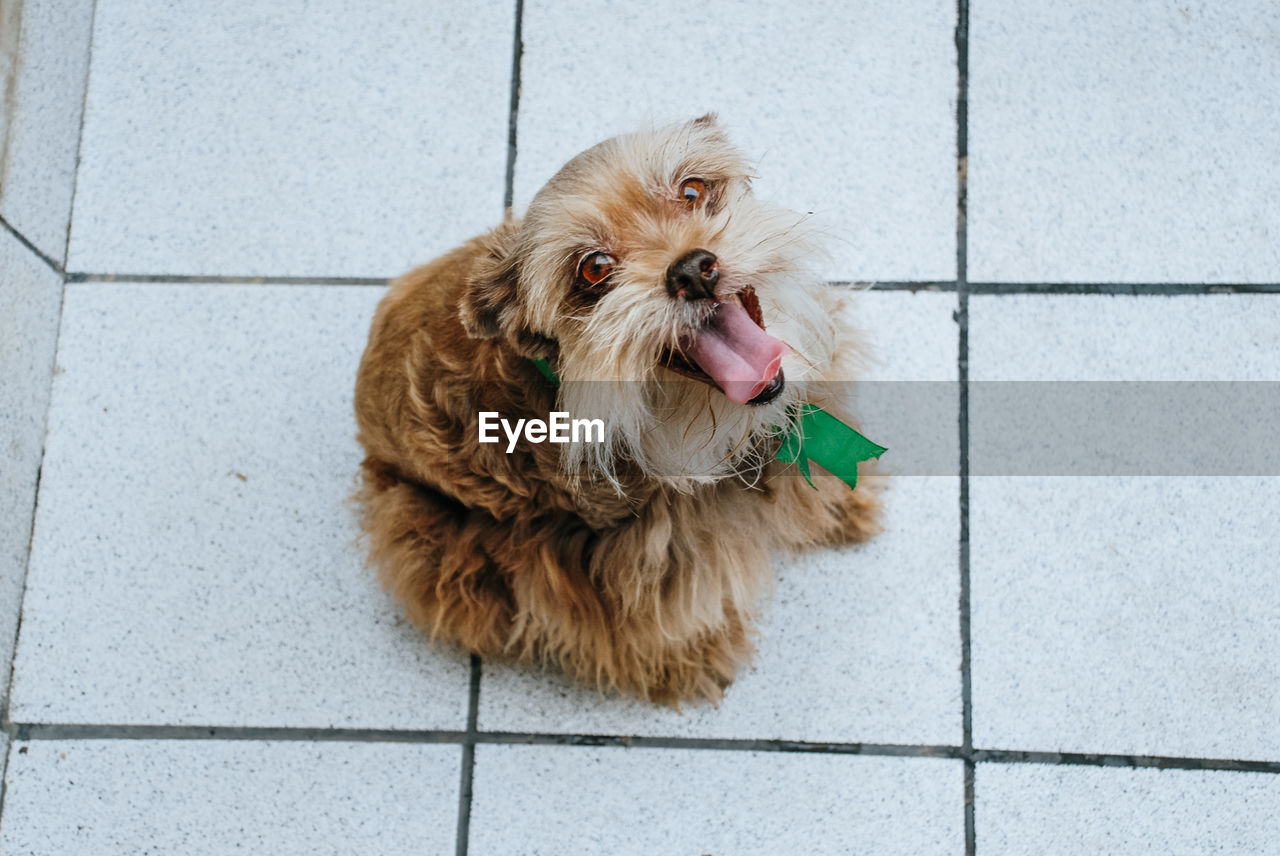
(693, 276)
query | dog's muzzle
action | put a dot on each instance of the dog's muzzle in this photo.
(732, 351)
(693, 276)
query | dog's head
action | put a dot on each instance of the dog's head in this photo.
(673, 303)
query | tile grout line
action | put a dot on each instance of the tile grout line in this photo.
(250, 279)
(23, 732)
(465, 787)
(1136, 289)
(32, 248)
(718, 744)
(513, 114)
(220, 279)
(935, 285)
(1132, 762)
(962, 351)
(27, 731)
(940, 286)
(84, 106)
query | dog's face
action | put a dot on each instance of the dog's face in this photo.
(672, 301)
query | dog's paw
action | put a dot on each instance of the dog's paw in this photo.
(860, 512)
(703, 670)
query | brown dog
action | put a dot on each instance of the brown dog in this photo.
(675, 307)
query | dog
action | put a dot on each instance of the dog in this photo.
(647, 286)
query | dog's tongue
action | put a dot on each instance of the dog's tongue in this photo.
(739, 356)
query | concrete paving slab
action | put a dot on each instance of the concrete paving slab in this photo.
(1117, 142)
(212, 797)
(1032, 808)
(299, 139)
(194, 559)
(556, 799)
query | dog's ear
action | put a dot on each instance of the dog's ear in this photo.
(707, 129)
(490, 306)
(489, 299)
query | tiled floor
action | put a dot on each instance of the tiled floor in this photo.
(200, 206)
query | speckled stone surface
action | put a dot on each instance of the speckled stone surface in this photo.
(1126, 615)
(858, 644)
(30, 302)
(1123, 142)
(300, 138)
(1204, 337)
(194, 558)
(907, 336)
(553, 800)
(1082, 811)
(40, 121)
(847, 108)
(109, 797)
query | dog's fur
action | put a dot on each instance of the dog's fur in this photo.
(635, 563)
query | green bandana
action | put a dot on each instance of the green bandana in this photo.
(816, 436)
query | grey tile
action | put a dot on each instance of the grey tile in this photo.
(211, 797)
(194, 558)
(1087, 810)
(857, 644)
(1124, 142)
(30, 302)
(40, 122)
(552, 800)
(846, 107)
(295, 139)
(1129, 615)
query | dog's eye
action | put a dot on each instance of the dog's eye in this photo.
(596, 267)
(693, 191)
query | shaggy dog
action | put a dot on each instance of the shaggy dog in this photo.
(674, 306)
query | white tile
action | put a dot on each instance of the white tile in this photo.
(298, 138)
(1206, 337)
(553, 800)
(40, 125)
(908, 336)
(210, 797)
(847, 108)
(857, 644)
(1029, 808)
(1122, 614)
(1124, 142)
(30, 301)
(194, 558)
(1126, 615)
